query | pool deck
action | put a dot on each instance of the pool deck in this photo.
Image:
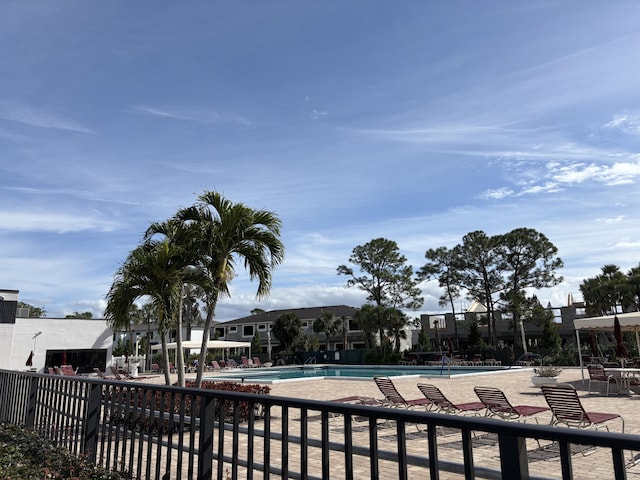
(517, 386)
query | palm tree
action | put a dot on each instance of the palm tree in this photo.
(366, 318)
(326, 324)
(183, 239)
(149, 271)
(231, 232)
(396, 323)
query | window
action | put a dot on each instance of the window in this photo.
(218, 332)
(262, 327)
(305, 324)
(233, 329)
(247, 331)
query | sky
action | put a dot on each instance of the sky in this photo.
(414, 121)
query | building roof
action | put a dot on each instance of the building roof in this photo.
(310, 313)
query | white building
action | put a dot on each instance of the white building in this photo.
(81, 343)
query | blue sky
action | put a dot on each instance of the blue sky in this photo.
(414, 121)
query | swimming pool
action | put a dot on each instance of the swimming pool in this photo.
(347, 372)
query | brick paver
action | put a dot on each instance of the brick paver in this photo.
(518, 388)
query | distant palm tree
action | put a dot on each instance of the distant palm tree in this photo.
(326, 324)
(396, 322)
(228, 233)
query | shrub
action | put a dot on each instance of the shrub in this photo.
(237, 387)
(24, 454)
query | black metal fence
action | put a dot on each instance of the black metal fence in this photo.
(157, 432)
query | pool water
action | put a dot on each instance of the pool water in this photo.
(350, 372)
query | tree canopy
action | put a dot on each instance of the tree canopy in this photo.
(288, 330)
(193, 257)
(612, 291)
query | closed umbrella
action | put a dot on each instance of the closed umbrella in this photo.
(29, 362)
(621, 351)
(594, 344)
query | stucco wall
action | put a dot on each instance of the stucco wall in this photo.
(17, 340)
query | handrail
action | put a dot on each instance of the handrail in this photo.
(205, 438)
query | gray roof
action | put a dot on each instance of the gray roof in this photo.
(310, 313)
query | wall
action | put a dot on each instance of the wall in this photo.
(17, 340)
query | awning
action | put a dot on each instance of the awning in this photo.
(212, 344)
(629, 322)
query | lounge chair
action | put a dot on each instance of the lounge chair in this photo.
(67, 370)
(597, 376)
(567, 409)
(359, 400)
(215, 365)
(231, 363)
(247, 363)
(257, 362)
(116, 374)
(155, 368)
(393, 398)
(101, 374)
(498, 405)
(444, 405)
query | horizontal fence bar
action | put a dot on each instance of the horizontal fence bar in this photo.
(156, 430)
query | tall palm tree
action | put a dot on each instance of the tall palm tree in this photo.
(183, 239)
(149, 271)
(228, 233)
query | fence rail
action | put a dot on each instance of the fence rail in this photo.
(151, 431)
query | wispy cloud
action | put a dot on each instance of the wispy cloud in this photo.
(16, 112)
(48, 221)
(620, 173)
(191, 115)
(626, 123)
(497, 194)
(80, 194)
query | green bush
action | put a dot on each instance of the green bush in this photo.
(25, 455)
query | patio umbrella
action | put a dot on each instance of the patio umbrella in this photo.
(593, 343)
(29, 361)
(621, 351)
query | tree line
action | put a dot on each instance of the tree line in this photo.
(612, 291)
(499, 271)
(190, 259)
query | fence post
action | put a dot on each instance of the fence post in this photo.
(513, 457)
(30, 418)
(205, 444)
(92, 421)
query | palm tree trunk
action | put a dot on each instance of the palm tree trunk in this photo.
(165, 354)
(179, 350)
(202, 358)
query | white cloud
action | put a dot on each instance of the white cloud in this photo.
(49, 221)
(26, 115)
(497, 194)
(629, 124)
(191, 114)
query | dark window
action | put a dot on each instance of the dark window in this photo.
(84, 360)
(8, 311)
